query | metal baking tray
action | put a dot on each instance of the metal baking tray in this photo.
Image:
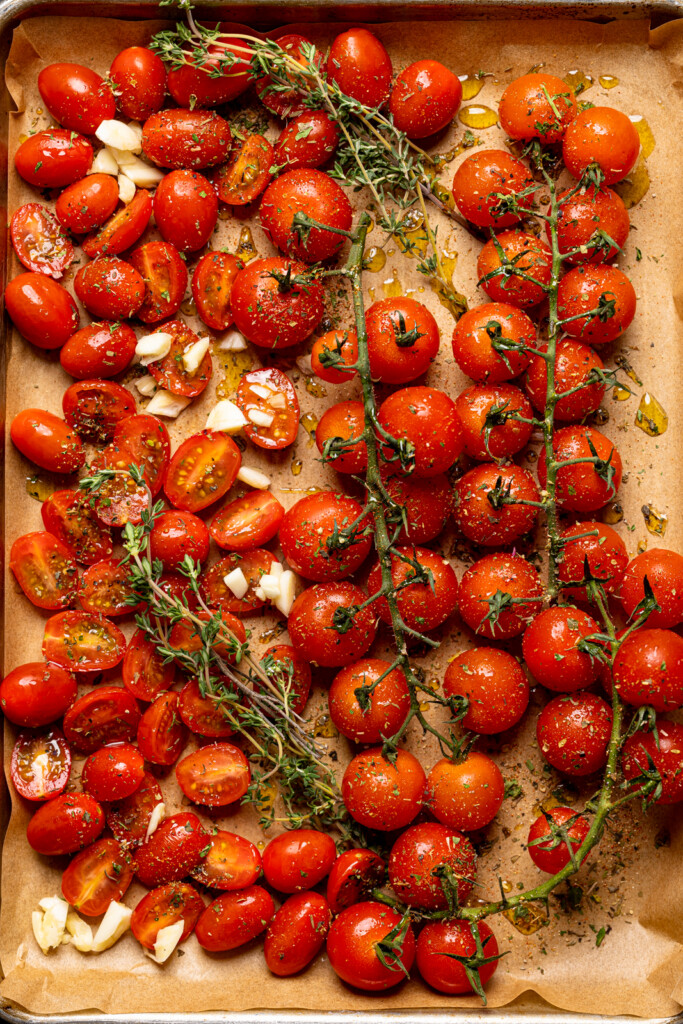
(266, 14)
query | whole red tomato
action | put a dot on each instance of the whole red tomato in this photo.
(360, 65)
(185, 209)
(41, 309)
(297, 933)
(425, 97)
(352, 946)
(383, 794)
(77, 96)
(298, 859)
(311, 193)
(423, 856)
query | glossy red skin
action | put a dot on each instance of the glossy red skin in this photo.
(526, 112)
(87, 203)
(664, 571)
(110, 288)
(53, 158)
(346, 421)
(298, 859)
(664, 751)
(352, 941)
(94, 407)
(172, 851)
(382, 795)
(44, 569)
(574, 363)
(143, 670)
(551, 652)
(285, 426)
(424, 99)
(573, 733)
(501, 440)
(354, 874)
(604, 136)
(297, 933)
(267, 317)
(198, 86)
(207, 455)
(606, 554)
(186, 139)
(36, 694)
(308, 526)
(234, 919)
(177, 535)
(42, 310)
(481, 177)
(65, 824)
(307, 141)
(185, 209)
(389, 362)
(39, 242)
(579, 487)
(212, 282)
(123, 229)
(107, 714)
(580, 291)
(165, 276)
(161, 735)
(247, 173)
(68, 516)
(510, 574)
(478, 520)
(184, 636)
(215, 775)
(77, 96)
(141, 440)
(297, 680)
(547, 856)
(98, 350)
(47, 441)
(427, 504)
(418, 853)
(465, 795)
(360, 66)
(472, 345)
(140, 79)
(495, 685)
(440, 941)
(98, 876)
(170, 373)
(287, 103)
(67, 641)
(583, 214)
(310, 624)
(164, 906)
(389, 701)
(423, 606)
(649, 669)
(428, 419)
(344, 342)
(315, 194)
(128, 819)
(113, 772)
(247, 522)
(49, 780)
(530, 255)
(232, 862)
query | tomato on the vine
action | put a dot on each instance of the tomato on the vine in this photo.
(268, 401)
(587, 484)
(424, 99)
(605, 552)
(494, 685)
(663, 748)
(324, 537)
(402, 339)
(40, 764)
(418, 858)
(492, 420)
(490, 342)
(312, 193)
(550, 851)
(276, 302)
(98, 876)
(663, 570)
(515, 267)
(494, 504)
(595, 303)
(352, 946)
(482, 183)
(592, 225)
(552, 649)
(369, 701)
(602, 136)
(441, 948)
(383, 793)
(576, 365)
(246, 174)
(425, 421)
(573, 733)
(331, 352)
(537, 106)
(648, 669)
(425, 502)
(338, 437)
(500, 595)
(465, 794)
(45, 570)
(426, 603)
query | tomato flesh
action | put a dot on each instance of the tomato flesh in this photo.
(232, 862)
(247, 522)
(107, 714)
(268, 400)
(40, 764)
(97, 877)
(39, 241)
(202, 470)
(44, 569)
(164, 906)
(83, 641)
(215, 776)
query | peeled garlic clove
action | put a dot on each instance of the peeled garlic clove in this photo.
(119, 135)
(253, 478)
(113, 925)
(287, 592)
(233, 342)
(158, 815)
(80, 932)
(167, 940)
(236, 582)
(104, 163)
(166, 404)
(126, 189)
(151, 347)
(146, 385)
(226, 417)
(192, 357)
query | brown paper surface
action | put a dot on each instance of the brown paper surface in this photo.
(632, 885)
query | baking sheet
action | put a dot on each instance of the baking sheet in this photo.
(631, 888)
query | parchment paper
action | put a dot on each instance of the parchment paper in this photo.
(632, 886)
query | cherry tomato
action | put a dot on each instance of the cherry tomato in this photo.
(593, 225)
(552, 649)
(210, 83)
(269, 395)
(489, 341)
(537, 106)
(297, 933)
(426, 421)
(403, 339)
(110, 288)
(83, 642)
(42, 310)
(427, 603)
(664, 572)
(298, 859)
(185, 209)
(186, 638)
(235, 919)
(489, 503)
(288, 102)
(44, 569)
(254, 564)
(171, 372)
(202, 470)
(467, 794)
(108, 714)
(314, 194)
(140, 440)
(172, 850)
(247, 173)
(123, 228)
(381, 793)
(170, 903)
(98, 350)
(499, 596)
(550, 852)
(94, 407)
(140, 79)
(354, 874)
(176, 536)
(440, 947)
(47, 440)
(87, 203)
(573, 733)
(276, 303)
(588, 485)
(77, 96)
(201, 714)
(426, 503)
(291, 674)
(589, 288)
(215, 775)
(186, 139)
(661, 748)
(212, 282)
(40, 764)
(113, 772)
(369, 700)
(359, 64)
(316, 615)
(483, 178)
(39, 242)
(352, 946)
(500, 260)
(606, 554)
(307, 141)
(321, 538)
(98, 876)
(419, 856)
(487, 414)
(65, 824)
(247, 522)
(424, 99)
(331, 351)
(161, 734)
(494, 686)
(165, 275)
(36, 694)
(129, 819)
(144, 671)
(338, 437)
(54, 158)
(648, 669)
(68, 517)
(575, 366)
(602, 136)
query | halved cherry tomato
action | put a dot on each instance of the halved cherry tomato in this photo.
(65, 824)
(88, 203)
(186, 638)
(68, 517)
(42, 310)
(83, 641)
(98, 876)
(144, 671)
(44, 569)
(141, 440)
(232, 862)
(307, 141)
(47, 440)
(247, 172)
(291, 674)
(254, 564)
(212, 81)
(247, 522)
(214, 776)
(297, 933)
(40, 764)
(94, 407)
(128, 819)
(77, 96)
(36, 694)
(269, 393)
(288, 102)
(185, 209)
(234, 919)
(39, 241)
(140, 79)
(161, 734)
(110, 288)
(354, 875)
(201, 714)
(171, 373)
(54, 158)
(176, 536)
(186, 138)
(105, 587)
(120, 500)
(113, 772)
(202, 470)
(170, 903)
(172, 851)
(165, 275)
(98, 350)
(107, 714)
(123, 228)
(211, 286)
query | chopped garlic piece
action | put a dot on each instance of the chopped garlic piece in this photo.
(126, 189)
(236, 582)
(124, 158)
(276, 569)
(79, 931)
(115, 922)
(270, 585)
(165, 404)
(144, 175)
(226, 417)
(167, 940)
(158, 815)
(260, 418)
(287, 592)
(233, 342)
(146, 385)
(253, 478)
(278, 401)
(261, 594)
(119, 136)
(192, 357)
(37, 926)
(151, 347)
(49, 922)
(104, 163)
(262, 391)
